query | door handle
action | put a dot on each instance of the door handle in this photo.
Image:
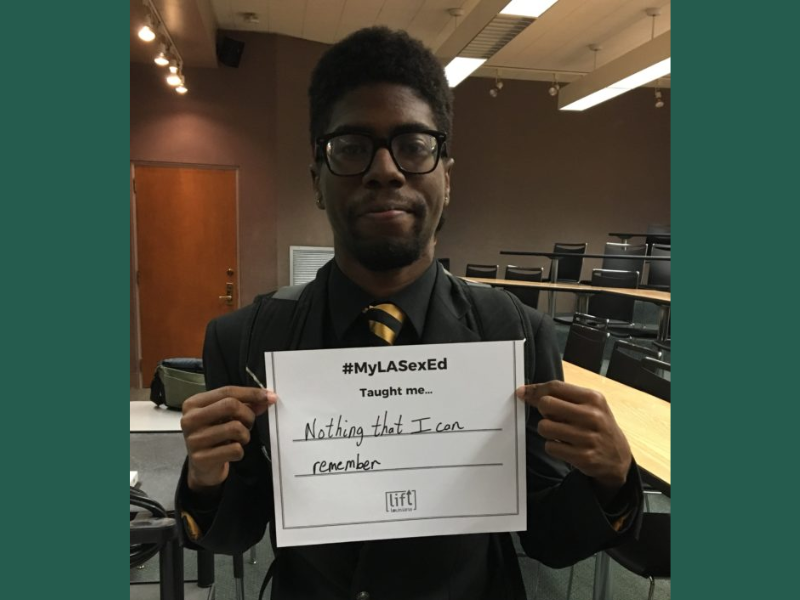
(229, 296)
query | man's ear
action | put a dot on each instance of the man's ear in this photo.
(448, 166)
(314, 172)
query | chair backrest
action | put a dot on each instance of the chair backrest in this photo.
(569, 269)
(529, 296)
(485, 271)
(610, 306)
(653, 238)
(625, 361)
(445, 262)
(585, 346)
(659, 275)
(625, 264)
(653, 378)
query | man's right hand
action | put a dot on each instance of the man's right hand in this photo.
(216, 426)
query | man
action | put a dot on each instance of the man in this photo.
(381, 115)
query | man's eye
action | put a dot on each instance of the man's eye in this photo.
(350, 148)
(415, 147)
(353, 149)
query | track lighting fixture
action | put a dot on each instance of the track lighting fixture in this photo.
(498, 85)
(553, 91)
(168, 54)
(162, 58)
(148, 31)
(659, 101)
(175, 79)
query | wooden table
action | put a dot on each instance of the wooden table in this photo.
(556, 256)
(645, 420)
(659, 297)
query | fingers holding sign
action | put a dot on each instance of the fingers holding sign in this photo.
(216, 426)
(580, 429)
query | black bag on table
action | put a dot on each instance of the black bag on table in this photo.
(175, 380)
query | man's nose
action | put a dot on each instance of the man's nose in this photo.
(383, 171)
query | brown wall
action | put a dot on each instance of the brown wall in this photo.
(227, 118)
(526, 175)
(301, 222)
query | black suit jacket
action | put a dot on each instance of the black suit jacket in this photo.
(565, 520)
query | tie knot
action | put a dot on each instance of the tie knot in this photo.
(385, 321)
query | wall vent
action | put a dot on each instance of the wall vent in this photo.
(305, 261)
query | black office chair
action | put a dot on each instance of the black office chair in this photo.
(652, 234)
(665, 345)
(606, 310)
(569, 268)
(485, 271)
(585, 347)
(625, 264)
(658, 277)
(626, 360)
(653, 378)
(529, 296)
(648, 556)
(445, 263)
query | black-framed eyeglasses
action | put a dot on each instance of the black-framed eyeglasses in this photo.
(414, 152)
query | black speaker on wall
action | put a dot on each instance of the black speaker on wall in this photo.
(229, 51)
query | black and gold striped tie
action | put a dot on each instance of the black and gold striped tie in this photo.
(385, 321)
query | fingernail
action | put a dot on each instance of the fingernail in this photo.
(272, 397)
(520, 391)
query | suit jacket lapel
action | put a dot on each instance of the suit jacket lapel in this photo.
(447, 321)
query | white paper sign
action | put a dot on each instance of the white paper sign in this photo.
(393, 442)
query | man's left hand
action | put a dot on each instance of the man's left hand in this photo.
(580, 429)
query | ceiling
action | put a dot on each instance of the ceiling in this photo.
(556, 43)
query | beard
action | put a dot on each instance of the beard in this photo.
(388, 254)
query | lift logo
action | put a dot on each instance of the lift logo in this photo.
(402, 501)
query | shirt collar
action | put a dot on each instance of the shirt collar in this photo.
(346, 300)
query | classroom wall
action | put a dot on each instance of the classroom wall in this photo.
(526, 175)
(226, 119)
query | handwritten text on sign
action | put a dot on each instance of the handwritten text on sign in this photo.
(373, 443)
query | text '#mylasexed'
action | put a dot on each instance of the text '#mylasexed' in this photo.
(394, 366)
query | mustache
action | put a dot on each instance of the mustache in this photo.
(383, 201)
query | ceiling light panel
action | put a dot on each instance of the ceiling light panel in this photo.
(527, 8)
(634, 69)
(460, 68)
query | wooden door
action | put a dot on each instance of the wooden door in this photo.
(186, 258)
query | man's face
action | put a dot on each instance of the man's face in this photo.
(383, 219)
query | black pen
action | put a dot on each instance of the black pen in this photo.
(263, 387)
